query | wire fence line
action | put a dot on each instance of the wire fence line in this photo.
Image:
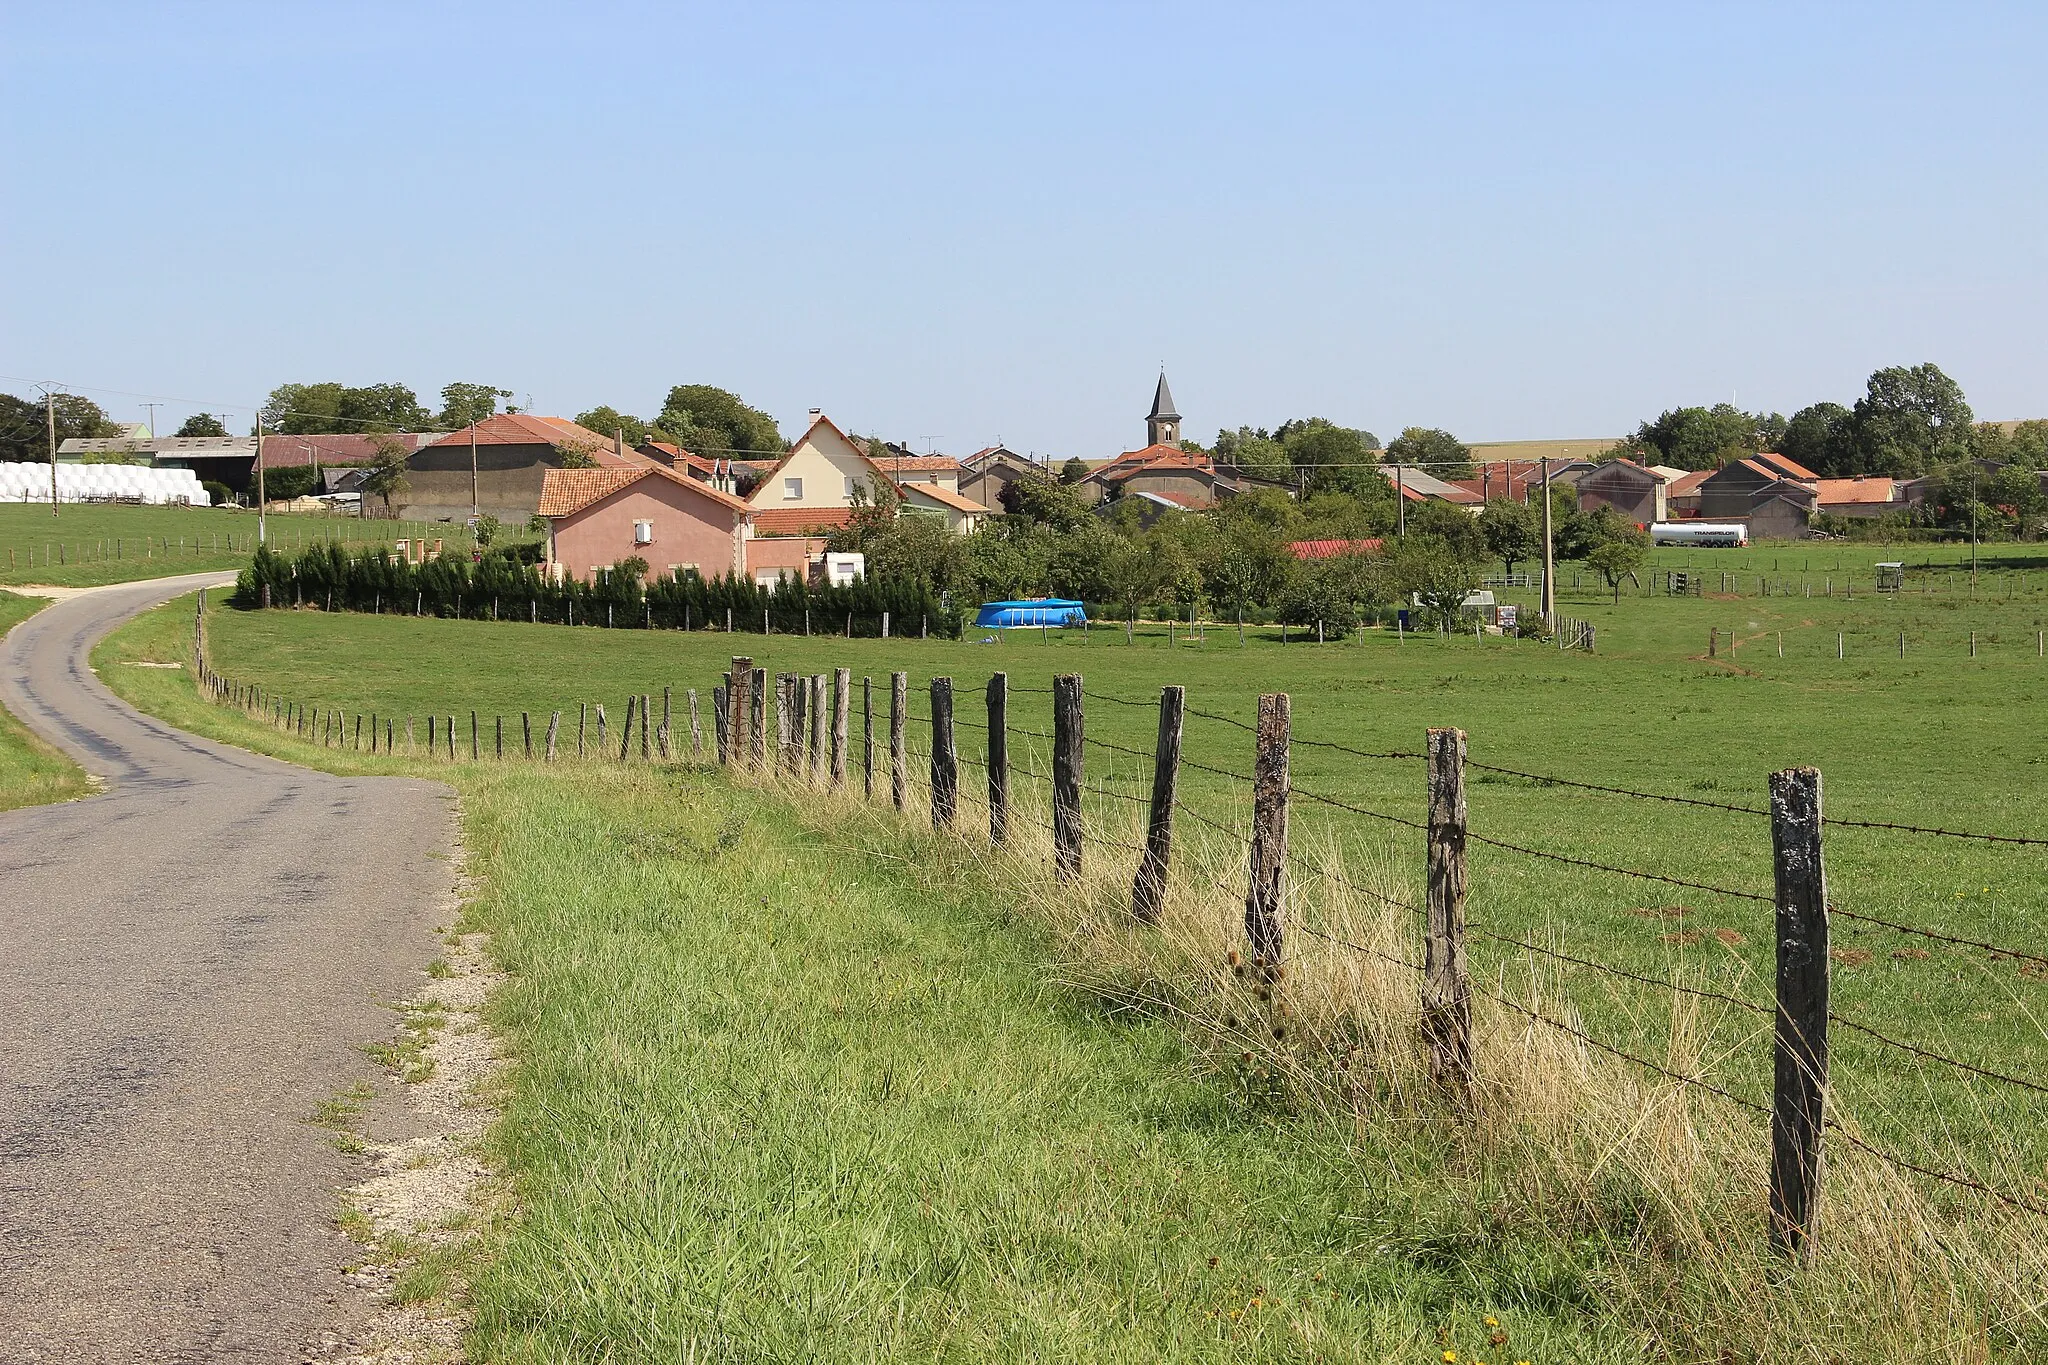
(1447, 837)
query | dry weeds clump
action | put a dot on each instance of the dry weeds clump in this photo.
(1561, 1140)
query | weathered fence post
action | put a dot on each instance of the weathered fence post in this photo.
(867, 737)
(600, 729)
(582, 724)
(1446, 990)
(821, 726)
(696, 728)
(626, 730)
(554, 724)
(475, 752)
(758, 720)
(999, 759)
(784, 731)
(1265, 899)
(661, 736)
(842, 703)
(739, 684)
(1800, 1061)
(1148, 891)
(720, 720)
(899, 712)
(646, 707)
(433, 746)
(526, 730)
(1068, 737)
(945, 758)
(451, 738)
(500, 754)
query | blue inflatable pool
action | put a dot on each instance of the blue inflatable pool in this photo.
(1043, 611)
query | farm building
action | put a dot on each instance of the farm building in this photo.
(1417, 486)
(1521, 480)
(499, 465)
(224, 459)
(597, 517)
(1872, 496)
(988, 471)
(1636, 491)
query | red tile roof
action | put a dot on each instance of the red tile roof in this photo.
(1680, 487)
(1790, 469)
(565, 492)
(281, 452)
(1330, 549)
(917, 464)
(1151, 458)
(796, 521)
(525, 429)
(1867, 489)
(959, 502)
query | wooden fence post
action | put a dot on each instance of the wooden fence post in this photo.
(758, 720)
(842, 702)
(1265, 899)
(899, 711)
(475, 752)
(526, 730)
(433, 745)
(720, 719)
(867, 737)
(554, 724)
(1800, 1061)
(784, 720)
(945, 760)
(500, 752)
(1446, 990)
(661, 736)
(626, 730)
(451, 739)
(1148, 891)
(821, 727)
(1068, 738)
(999, 759)
(696, 729)
(646, 707)
(739, 685)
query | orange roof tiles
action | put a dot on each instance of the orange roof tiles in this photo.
(565, 492)
(796, 521)
(1330, 549)
(1866, 489)
(1790, 469)
(523, 429)
(959, 502)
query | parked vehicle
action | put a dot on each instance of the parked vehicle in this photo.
(1717, 534)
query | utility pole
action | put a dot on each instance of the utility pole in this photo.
(1549, 599)
(151, 408)
(50, 421)
(1400, 505)
(475, 501)
(261, 536)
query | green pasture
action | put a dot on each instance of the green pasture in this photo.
(88, 543)
(1936, 738)
(31, 772)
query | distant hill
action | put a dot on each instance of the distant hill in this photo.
(1570, 448)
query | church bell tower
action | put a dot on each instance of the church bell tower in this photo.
(1162, 424)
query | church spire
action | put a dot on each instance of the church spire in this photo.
(1162, 424)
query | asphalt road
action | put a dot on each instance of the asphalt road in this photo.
(189, 964)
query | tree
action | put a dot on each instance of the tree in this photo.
(462, 404)
(24, 429)
(1821, 437)
(1436, 573)
(1700, 438)
(306, 409)
(1074, 470)
(203, 424)
(1619, 557)
(1431, 448)
(1254, 450)
(1910, 419)
(609, 421)
(1451, 524)
(485, 531)
(1055, 504)
(1513, 531)
(1335, 592)
(1334, 459)
(710, 421)
(872, 507)
(919, 547)
(386, 475)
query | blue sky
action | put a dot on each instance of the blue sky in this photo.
(963, 222)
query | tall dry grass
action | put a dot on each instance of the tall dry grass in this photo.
(1659, 1180)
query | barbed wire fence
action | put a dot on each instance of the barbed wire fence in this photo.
(799, 728)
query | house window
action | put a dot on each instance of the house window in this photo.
(849, 488)
(680, 569)
(792, 489)
(643, 533)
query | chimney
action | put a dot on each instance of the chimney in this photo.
(619, 440)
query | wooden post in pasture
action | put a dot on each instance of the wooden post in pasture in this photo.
(1148, 891)
(1800, 1059)
(1265, 901)
(945, 761)
(599, 708)
(999, 759)
(359, 731)
(501, 738)
(720, 719)
(799, 696)
(667, 713)
(740, 686)
(867, 737)
(1068, 738)
(582, 725)
(899, 710)
(1446, 990)
(1713, 641)
(757, 720)
(432, 747)
(842, 702)
(387, 734)
(821, 725)
(645, 707)
(554, 724)
(526, 733)
(626, 730)
(696, 729)
(783, 721)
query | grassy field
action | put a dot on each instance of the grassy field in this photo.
(1937, 738)
(31, 772)
(88, 544)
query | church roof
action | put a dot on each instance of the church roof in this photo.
(1162, 401)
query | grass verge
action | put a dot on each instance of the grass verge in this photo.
(31, 772)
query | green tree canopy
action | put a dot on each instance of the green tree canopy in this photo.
(1433, 449)
(306, 409)
(24, 425)
(1335, 459)
(1701, 438)
(706, 420)
(1513, 531)
(203, 424)
(1074, 470)
(1440, 574)
(1910, 419)
(386, 477)
(1822, 437)
(463, 403)
(609, 421)
(1451, 524)
(1254, 450)
(1055, 504)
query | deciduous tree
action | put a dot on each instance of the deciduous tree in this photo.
(1433, 449)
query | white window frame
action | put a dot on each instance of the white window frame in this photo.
(639, 539)
(792, 490)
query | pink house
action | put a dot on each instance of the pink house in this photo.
(597, 517)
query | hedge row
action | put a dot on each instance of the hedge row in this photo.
(498, 587)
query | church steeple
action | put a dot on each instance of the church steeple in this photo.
(1162, 424)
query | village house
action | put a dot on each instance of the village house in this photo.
(1638, 492)
(1520, 480)
(988, 472)
(598, 517)
(1415, 485)
(906, 467)
(498, 466)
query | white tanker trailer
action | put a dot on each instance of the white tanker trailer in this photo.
(1719, 534)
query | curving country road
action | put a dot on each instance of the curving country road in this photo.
(189, 963)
